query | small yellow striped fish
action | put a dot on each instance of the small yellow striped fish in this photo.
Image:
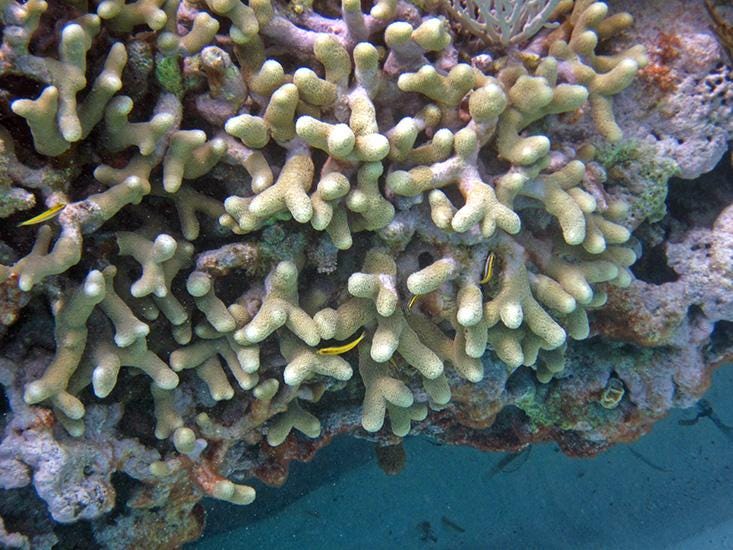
(338, 350)
(412, 302)
(488, 269)
(44, 216)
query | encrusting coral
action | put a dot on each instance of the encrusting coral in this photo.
(462, 229)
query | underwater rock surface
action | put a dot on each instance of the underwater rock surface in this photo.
(290, 221)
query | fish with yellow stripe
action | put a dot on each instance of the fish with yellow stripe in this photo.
(45, 216)
(488, 269)
(343, 348)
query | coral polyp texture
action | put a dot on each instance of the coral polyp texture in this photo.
(252, 226)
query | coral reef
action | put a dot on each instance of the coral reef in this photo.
(682, 105)
(203, 163)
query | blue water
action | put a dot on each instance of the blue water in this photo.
(674, 491)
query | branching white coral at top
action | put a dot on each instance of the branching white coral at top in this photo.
(504, 22)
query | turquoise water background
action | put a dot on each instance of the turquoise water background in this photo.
(672, 489)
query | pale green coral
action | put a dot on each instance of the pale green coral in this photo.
(455, 226)
(304, 363)
(280, 307)
(294, 418)
(203, 355)
(120, 133)
(202, 32)
(604, 76)
(124, 16)
(72, 331)
(385, 393)
(55, 118)
(481, 204)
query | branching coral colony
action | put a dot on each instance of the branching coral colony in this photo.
(366, 146)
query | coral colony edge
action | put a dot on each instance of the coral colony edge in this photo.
(231, 231)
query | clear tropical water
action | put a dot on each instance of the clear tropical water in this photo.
(672, 489)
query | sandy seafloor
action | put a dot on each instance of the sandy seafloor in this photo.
(672, 489)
